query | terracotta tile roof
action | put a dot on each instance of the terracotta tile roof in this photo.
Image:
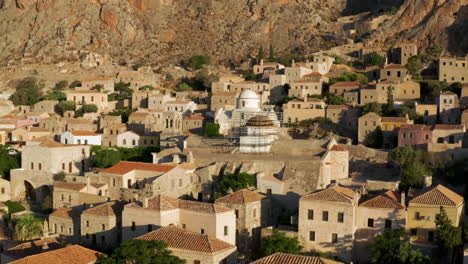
(178, 102)
(241, 197)
(372, 115)
(72, 186)
(393, 66)
(38, 129)
(394, 119)
(98, 185)
(338, 84)
(413, 127)
(124, 167)
(202, 207)
(449, 127)
(106, 209)
(386, 200)
(163, 203)
(337, 147)
(332, 194)
(284, 258)
(338, 107)
(439, 195)
(67, 213)
(83, 133)
(313, 74)
(188, 166)
(448, 93)
(139, 114)
(33, 247)
(178, 238)
(78, 121)
(194, 117)
(74, 254)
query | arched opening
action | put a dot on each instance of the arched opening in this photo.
(30, 193)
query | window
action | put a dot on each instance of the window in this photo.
(103, 239)
(183, 226)
(225, 230)
(150, 228)
(69, 230)
(413, 232)
(103, 227)
(388, 224)
(202, 231)
(370, 222)
(254, 212)
(417, 215)
(310, 214)
(430, 236)
(311, 236)
(268, 191)
(196, 262)
(237, 213)
(69, 198)
(334, 238)
(340, 217)
(325, 216)
(61, 229)
(62, 197)
(87, 223)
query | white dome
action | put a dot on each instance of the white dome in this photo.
(247, 94)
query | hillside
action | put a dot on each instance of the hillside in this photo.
(156, 31)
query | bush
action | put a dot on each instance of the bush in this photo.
(7, 162)
(350, 77)
(55, 95)
(374, 59)
(105, 158)
(335, 99)
(14, 207)
(137, 66)
(123, 89)
(65, 106)
(183, 87)
(60, 176)
(236, 181)
(61, 85)
(124, 113)
(89, 108)
(197, 62)
(74, 84)
(205, 80)
(279, 242)
(211, 130)
(98, 87)
(28, 92)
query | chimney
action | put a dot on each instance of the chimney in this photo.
(145, 203)
(356, 196)
(261, 62)
(190, 158)
(293, 63)
(402, 198)
(155, 158)
(45, 246)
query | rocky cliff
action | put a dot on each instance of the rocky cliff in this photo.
(228, 30)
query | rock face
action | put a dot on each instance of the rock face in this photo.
(228, 30)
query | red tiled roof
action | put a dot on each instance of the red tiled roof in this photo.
(448, 127)
(332, 194)
(386, 200)
(202, 207)
(178, 238)
(66, 213)
(413, 127)
(124, 167)
(163, 203)
(338, 84)
(72, 186)
(284, 258)
(31, 248)
(313, 74)
(337, 147)
(393, 66)
(106, 209)
(241, 197)
(439, 195)
(74, 254)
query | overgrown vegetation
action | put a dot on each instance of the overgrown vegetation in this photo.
(236, 181)
(65, 106)
(14, 207)
(447, 237)
(279, 242)
(196, 62)
(108, 157)
(349, 77)
(211, 130)
(7, 162)
(28, 92)
(124, 113)
(374, 59)
(27, 227)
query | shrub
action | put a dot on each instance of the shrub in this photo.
(61, 85)
(197, 62)
(65, 106)
(28, 92)
(89, 108)
(55, 95)
(211, 130)
(236, 181)
(183, 87)
(14, 207)
(74, 84)
(374, 59)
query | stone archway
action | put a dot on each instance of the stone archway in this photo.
(29, 191)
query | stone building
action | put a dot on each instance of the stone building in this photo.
(158, 101)
(140, 99)
(306, 109)
(100, 225)
(224, 100)
(193, 124)
(428, 112)
(341, 87)
(65, 222)
(129, 139)
(183, 106)
(373, 95)
(194, 247)
(79, 124)
(334, 165)
(445, 137)
(138, 79)
(95, 97)
(394, 72)
(344, 115)
(141, 122)
(328, 220)
(22, 252)
(401, 91)
(54, 124)
(253, 211)
(351, 97)
(449, 108)
(29, 133)
(48, 106)
(294, 74)
(108, 120)
(404, 52)
(139, 218)
(390, 126)
(423, 209)
(107, 84)
(417, 136)
(316, 77)
(80, 138)
(262, 66)
(76, 194)
(367, 125)
(305, 88)
(453, 69)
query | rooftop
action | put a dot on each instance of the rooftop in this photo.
(387, 200)
(439, 195)
(241, 197)
(74, 254)
(333, 194)
(338, 84)
(72, 186)
(83, 133)
(124, 167)
(106, 209)
(394, 66)
(284, 258)
(66, 213)
(33, 247)
(178, 238)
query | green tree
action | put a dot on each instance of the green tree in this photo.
(271, 55)
(61, 85)
(412, 175)
(433, 88)
(401, 156)
(333, 99)
(89, 108)
(7, 162)
(141, 252)
(211, 130)
(456, 87)
(105, 158)
(123, 89)
(236, 181)
(55, 95)
(183, 87)
(28, 92)
(408, 108)
(47, 205)
(60, 176)
(137, 66)
(74, 84)
(279, 242)
(350, 77)
(197, 62)
(27, 227)
(389, 108)
(98, 87)
(414, 65)
(393, 247)
(65, 106)
(373, 107)
(374, 59)
(261, 54)
(375, 139)
(124, 113)
(447, 236)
